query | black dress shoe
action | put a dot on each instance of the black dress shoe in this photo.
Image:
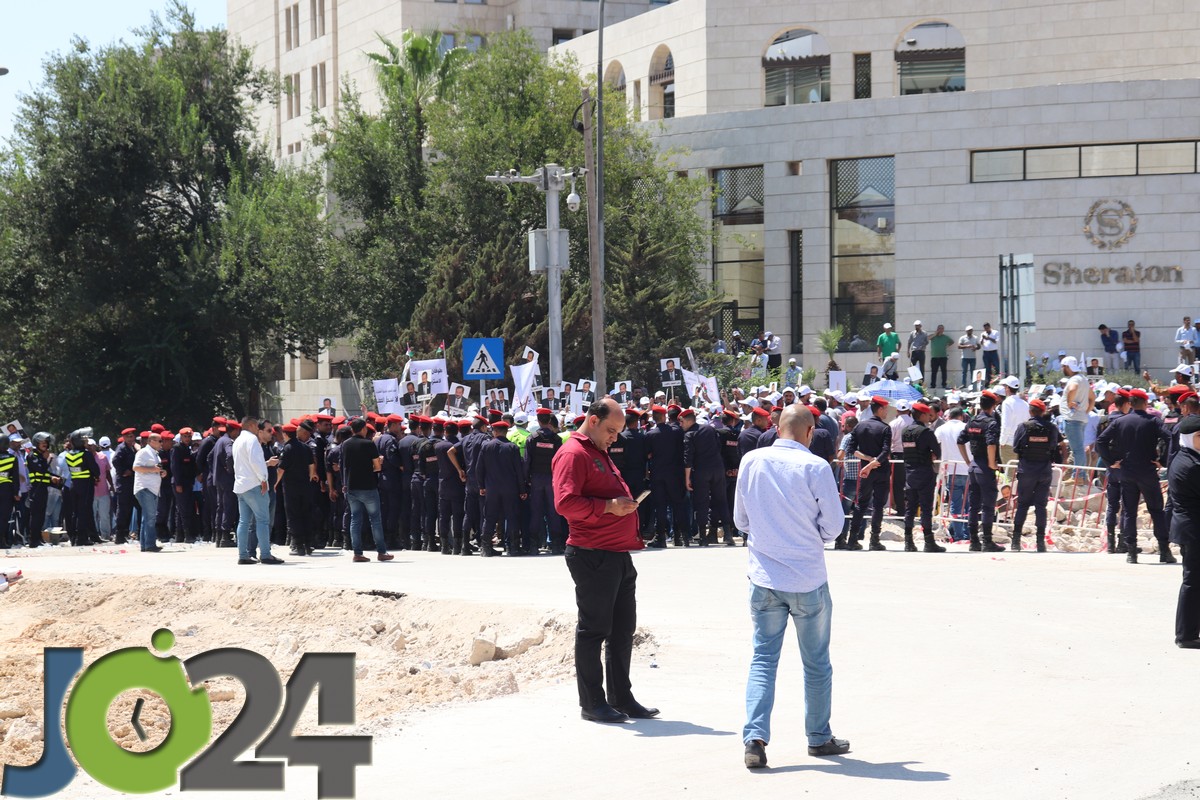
(636, 710)
(1189, 644)
(756, 754)
(834, 747)
(270, 560)
(247, 561)
(154, 549)
(1166, 557)
(602, 713)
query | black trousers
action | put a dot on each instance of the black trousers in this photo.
(1033, 489)
(125, 504)
(898, 473)
(542, 515)
(981, 499)
(918, 360)
(416, 507)
(38, 495)
(872, 494)
(670, 494)
(6, 509)
(185, 515)
(298, 507)
(1187, 612)
(451, 495)
(1143, 485)
(1112, 494)
(390, 496)
(918, 492)
(605, 593)
(709, 502)
(937, 365)
(83, 495)
(472, 513)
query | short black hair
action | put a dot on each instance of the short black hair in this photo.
(357, 424)
(1102, 327)
(955, 412)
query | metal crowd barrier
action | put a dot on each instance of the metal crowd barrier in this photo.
(1076, 506)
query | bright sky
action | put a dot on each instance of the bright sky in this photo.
(29, 31)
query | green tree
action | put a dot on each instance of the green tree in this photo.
(158, 256)
(512, 108)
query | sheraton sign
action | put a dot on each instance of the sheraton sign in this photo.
(1062, 273)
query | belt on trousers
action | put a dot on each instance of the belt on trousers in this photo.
(572, 547)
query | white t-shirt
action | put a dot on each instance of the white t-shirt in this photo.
(146, 457)
(990, 341)
(774, 343)
(1013, 412)
(947, 436)
(971, 343)
(1079, 385)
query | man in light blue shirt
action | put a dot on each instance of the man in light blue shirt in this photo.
(787, 500)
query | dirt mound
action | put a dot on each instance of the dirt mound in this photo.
(412, 653)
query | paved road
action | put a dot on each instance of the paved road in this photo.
(955, 676)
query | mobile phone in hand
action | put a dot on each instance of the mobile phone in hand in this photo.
(643, 496)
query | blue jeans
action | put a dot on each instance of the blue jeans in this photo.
(102, 510)
(958, 502)
(365, 503)
(253, 506)
(991, 363)
(148, 503)
(1074, 430)
(1133, 361)
(812, 613)
(968, 366)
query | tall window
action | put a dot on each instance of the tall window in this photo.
(446, 43)
(932, 58)
(796, 253)
(291, 26)
(796, 69)
(316, 18)
(738, 253)
(863, 246)
(662, 84)
(862, 76)
(318, 86)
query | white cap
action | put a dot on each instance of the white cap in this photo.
(1012, 382)
(969, 328)
(105, 441)
(715, 408)
(787, 389)
(791, 361)
(737, 333)
(660, 393)
(863, 396)
(887, 326)
(645, 401)
(903, 405)
(1062, 352)
(1071, 362)
(1184, 369)
(751, 401)
(768, 334)
(915, 324)
(196, 436)
(521, 418)
(803, 390)
(892, 357)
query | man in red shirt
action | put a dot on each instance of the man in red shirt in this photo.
(589, 492)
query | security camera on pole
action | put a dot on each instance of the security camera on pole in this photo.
(549, 248)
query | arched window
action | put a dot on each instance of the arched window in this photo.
(614, 75)
(796, 67)
(932, 57)
(662, 84)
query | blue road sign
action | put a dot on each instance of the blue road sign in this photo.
(483, 359)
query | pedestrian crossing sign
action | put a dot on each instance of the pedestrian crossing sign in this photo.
(483, 359)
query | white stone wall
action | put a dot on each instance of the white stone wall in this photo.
(950, 231)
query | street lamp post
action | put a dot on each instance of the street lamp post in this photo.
(548, 248)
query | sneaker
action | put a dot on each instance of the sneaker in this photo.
(385, 556)
(756, 754)
(834, 747)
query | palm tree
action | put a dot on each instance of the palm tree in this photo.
(829, 340)
(415, 73)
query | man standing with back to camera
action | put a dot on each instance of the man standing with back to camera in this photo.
(601, 518)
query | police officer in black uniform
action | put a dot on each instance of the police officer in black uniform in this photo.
(183, 478)
(37, 465)
(539, 453)
(83, 469)
(122, 462)
(729, 432)
(1131, 443)
(297, 474)
(920, 449)
(452, 487)
(391, 483)
(466, 455)
(1038, 445)
(704, 474)
(410, 534)
(630, 456)
(10, 490)
(871, 443)
(664, 449)
(983, 435)
(1112, 486)
(429, 468)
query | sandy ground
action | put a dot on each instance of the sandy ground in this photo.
(956, 676)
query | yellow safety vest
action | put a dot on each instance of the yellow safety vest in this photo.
(75, 465)
(7, 468)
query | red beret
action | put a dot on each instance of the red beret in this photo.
(481, 418)
(233, 425)
(289, 428)
(658, 409)
(921, 408)
(128, 431)
(635, 412)
(145, 434)
(674, 407)
(186, 432)
(541, 412)
(338, 420)
(883, 401)
(816, 412)
(729, 412)
(691, 412)
(390, 418)
(465, 424)
(165, 434)
(762, 412)
(1123, 393)
(370, 427)
(1138, 394)
(157, 428)
(1038, 404)
(495, 412)
(219, 420)
(324, 417)
(989, 395)
(1187, 396)
(579, 420)
(501, 425)
(780, 409)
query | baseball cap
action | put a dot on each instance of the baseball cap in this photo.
(791, 361)
(521, 418)
(863, 397)
(903, 405)
(1062, 352)
(1184, 369)
(887, 326)
(105, 441)
(1012, 382)
(969, 328)
(918, 322)
(1071, 362)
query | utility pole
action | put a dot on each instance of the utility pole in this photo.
(548, 248)
(595, 247)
